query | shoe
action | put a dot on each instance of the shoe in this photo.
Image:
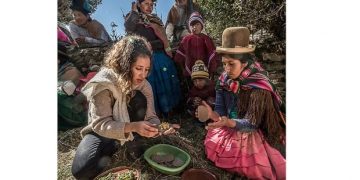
(135, 149)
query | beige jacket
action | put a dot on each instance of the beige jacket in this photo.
(108, 109)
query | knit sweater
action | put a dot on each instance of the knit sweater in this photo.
(206, 92)
(108, 108)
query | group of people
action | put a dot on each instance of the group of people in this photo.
(140, 82)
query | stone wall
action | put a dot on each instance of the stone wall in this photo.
(64, 12)
(275, 64)
(86, 57)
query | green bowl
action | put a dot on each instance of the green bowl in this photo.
(167, 149)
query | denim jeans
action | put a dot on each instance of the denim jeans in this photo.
(94, 151)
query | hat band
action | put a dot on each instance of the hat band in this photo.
(248, 46)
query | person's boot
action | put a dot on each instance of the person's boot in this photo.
(136, 148)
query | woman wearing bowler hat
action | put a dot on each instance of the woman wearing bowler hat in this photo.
(247, 123)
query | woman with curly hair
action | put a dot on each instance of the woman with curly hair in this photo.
(120, 104)
(248, 127)
(163, 76)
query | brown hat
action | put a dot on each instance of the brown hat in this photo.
(199, 70)
(235, 40)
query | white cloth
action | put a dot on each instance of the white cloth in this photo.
(106, 79)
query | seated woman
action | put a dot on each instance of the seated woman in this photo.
(247, 122)
(63, 38)
(66, 70)
(71, 112)
(120, 103)
(84, 29)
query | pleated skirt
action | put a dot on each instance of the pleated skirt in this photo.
(247, 154)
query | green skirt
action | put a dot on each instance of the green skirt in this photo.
(71, 112)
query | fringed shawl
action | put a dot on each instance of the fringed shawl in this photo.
(93, 27)
(252, 77)
(154, 22)
(257, 105)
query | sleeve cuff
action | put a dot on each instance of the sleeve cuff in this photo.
(123, 137)
(244, 125)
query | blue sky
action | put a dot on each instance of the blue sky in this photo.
(110, 10)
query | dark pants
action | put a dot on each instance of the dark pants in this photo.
(94, 151)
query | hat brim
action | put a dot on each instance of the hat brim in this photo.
(237, 50)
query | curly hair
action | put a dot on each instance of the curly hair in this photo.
(123, 55)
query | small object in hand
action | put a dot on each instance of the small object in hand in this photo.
(203, 113)
(163, 127)
(69, 87)
(197, 101)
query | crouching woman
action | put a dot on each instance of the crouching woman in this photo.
(120, 104)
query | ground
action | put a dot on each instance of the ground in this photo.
(190, 138)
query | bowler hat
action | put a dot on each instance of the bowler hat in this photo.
(235, 40)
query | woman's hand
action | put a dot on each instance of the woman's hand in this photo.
(172, 129)
(145, 128)
(222, 121)
(133, 6)
(211, 114)
(169, 53)
(80, 40)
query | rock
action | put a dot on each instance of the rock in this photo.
(281, 88)
(169, 157)
(277, 75)
(162, 158)
(274, 67)
(177, 162)
(202, 113)
(280, 84)
(273, 57)
(86, 57)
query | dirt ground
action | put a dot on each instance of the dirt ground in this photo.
(189, 138)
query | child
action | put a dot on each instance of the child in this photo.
(196, 46)
(203, 89)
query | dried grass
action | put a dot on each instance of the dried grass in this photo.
(190, 138)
